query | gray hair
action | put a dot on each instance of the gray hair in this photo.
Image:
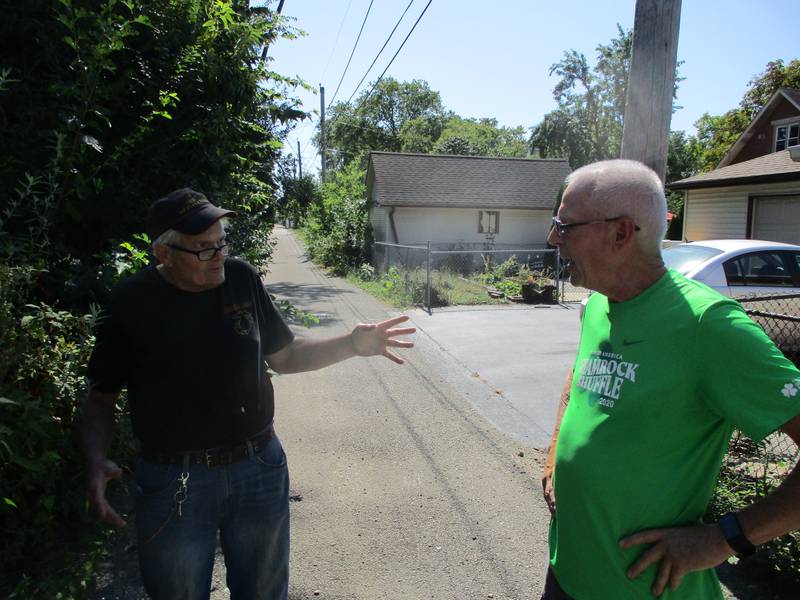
(172, 236)
(631, 189)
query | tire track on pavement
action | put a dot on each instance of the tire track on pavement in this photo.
(349, 314)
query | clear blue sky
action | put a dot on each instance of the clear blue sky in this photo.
(491, 59)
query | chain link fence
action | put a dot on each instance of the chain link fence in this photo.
(779, 317)
(752, 470)
(441, 274)
(567, 291)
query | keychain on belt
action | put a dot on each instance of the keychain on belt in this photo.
(183, 488)
(180, 495)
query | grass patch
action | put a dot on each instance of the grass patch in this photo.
(403, 289)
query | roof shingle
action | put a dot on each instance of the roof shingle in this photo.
(443, 180)
(777, 166)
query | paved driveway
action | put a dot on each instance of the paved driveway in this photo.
(516, 359)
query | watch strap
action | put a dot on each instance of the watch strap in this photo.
(734, 536)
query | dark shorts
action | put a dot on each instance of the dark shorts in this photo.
(552, 589)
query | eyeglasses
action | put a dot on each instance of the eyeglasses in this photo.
(205, 254)
(563, 229)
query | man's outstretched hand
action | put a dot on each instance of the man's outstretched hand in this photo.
(373, 339)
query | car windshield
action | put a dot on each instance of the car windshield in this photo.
(685, 257)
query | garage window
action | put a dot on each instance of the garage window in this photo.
(774, 269)
(488, 221)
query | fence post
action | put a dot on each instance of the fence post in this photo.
(428, 290)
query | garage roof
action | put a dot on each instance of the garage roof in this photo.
(444, 180)
(777, 166)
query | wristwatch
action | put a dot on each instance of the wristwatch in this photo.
(734, 535)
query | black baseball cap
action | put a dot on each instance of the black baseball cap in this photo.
(183, 210)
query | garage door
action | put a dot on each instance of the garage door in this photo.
(777, 218)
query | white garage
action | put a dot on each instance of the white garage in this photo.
(754, 199)
(462, 202)
(777, 218)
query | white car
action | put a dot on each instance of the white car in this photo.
(739, 268)
(736, 268)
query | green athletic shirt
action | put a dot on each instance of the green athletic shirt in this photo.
(659, 384)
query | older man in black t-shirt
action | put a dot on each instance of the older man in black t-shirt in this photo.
(189, 339)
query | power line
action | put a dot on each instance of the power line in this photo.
(379, 51)
(347, 122)
(351, 53)
(336, 41)
(377, 81)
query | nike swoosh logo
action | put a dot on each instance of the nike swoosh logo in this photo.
(631, 342)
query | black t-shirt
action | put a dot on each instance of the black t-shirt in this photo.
(193, 362)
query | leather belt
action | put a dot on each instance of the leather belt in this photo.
(213, 457)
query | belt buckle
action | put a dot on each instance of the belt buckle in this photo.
(208, 457)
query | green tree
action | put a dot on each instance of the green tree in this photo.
(775, 76)
(338, 227)
(132, 99)
(420, 134)
(394, 117)
(587, 125)
(682, 162)
(296, 193)
(717, 134)
(106, 105)
(481, 137)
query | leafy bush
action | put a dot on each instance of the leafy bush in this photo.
(366, 272)
(399, 288)
(337, 229)
(292, 314)
(248, 239)
(43, 353)
(509, 287)
(130, 100)
(105, 106)
(493, 274)
(751, 471)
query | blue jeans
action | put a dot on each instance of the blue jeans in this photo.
(247, 502)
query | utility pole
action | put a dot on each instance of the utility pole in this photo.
(266, 44)
(322, 152)
(300, 159)
(651, 83)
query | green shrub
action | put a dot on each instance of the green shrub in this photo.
(751, 471)
(494, 273)
(43, 353)
(337, 229)
(107, 105)
(509, 287)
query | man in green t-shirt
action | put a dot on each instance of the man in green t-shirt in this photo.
(666, 370)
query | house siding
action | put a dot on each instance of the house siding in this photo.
(763, 139)
(722, 212)
(460, 225)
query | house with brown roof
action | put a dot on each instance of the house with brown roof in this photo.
(462, 201)
(754, 193)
